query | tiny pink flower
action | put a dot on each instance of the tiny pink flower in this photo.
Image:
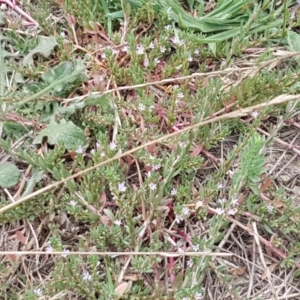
(103, 55)
(86, 276)
(49, 249)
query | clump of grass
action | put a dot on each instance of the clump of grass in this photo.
(135, 151)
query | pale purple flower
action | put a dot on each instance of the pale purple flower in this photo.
(180, 95)
(163, 49)
(220, 185)
(189, 263)
(173, 191)
(114, 51)
(79, 150)
(176, 41)
(66, 253)
(122, 187)
(198, 296)
(103, 55)
(186, 298)
(152, 186)
(124, 49)
(140, 49)
(86, 276)
(190, 58)
(38, 292)
(156, 60)
(195, 248)
(221, 201)
(112, 146)
(151, 45)
(73, 203)
(146, 61)
(254, 114)
(298, 1)
(118, 222)
(219, 211)
(156, 167)
(49, 249)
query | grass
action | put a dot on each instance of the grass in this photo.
(150, 150)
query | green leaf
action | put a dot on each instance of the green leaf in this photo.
(293, 39)
(62, 133)
(9, 175)
(44, 47)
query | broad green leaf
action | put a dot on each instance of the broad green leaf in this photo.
(293, 39)
(65, 133)
(9, 175)
(44, 47)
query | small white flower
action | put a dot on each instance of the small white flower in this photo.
(180, 95)
(118, 222)
(175, 86)
(176, 40)
(189, 263)
(234, 201)
(156, 60)
(182, 144)
(156, 167)
(221, 201)
(163, 49)
(198, 296)
(152, 186)
(190, 58)
(219, 211)
(146, 61)
(86, 276)
(79, 150)
(49, 249)
(151, 107)
(178, 219)
(168, 27)
(98, 145)
(122, 187)
(173, 192)
(38, 292)
(66, 253)
(232, 212)
(114, 51)
(254, 114)
(93, 151)
(140, 49)
(186, 298)
(151, 45)
(148, 174)
(186, 211)
(102, 154)
(220, 185)
(62, 34)
(103, 55)
(112, 146)
(124, 49)
(73, 203)
(196, 51)
(270, 208)
(195, 248)
(141, 107)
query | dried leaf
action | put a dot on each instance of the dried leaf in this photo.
(265, 185)
(122, 288)
(21, 238)
(237, 271)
